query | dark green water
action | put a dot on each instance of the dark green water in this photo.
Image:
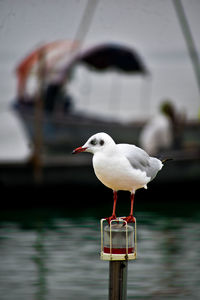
(49, 255)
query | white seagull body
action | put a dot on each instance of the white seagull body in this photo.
(120, 166)
(126, 167)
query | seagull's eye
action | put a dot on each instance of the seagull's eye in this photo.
(93, 142)
(101, 142)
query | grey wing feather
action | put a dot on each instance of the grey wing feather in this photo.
(139, 159)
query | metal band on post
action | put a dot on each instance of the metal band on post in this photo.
(118, 240)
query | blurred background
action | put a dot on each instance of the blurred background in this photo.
(70, 69)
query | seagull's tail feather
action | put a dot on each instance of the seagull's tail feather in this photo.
(165, 160)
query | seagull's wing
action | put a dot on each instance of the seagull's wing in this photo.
(139, 159)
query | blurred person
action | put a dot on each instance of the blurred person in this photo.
(163, 132)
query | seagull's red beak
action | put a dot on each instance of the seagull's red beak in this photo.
(78, 150)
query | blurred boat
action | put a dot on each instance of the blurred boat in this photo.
(56, 128)
(62, 126)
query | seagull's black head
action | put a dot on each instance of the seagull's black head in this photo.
(98, 142)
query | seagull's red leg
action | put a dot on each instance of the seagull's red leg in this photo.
(130, 218)
(114, 204)
(132, 202)
(113, 217)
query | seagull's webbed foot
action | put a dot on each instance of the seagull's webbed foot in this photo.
(109, 219)
(129, 219)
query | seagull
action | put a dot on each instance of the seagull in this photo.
(120, 167)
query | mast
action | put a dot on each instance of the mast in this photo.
(188, 39)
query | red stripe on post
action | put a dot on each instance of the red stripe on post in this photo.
(118, 250)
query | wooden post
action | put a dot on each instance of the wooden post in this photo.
(38, 130)
(118, 246)
(118, 280)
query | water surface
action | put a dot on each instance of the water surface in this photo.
(48, 257)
